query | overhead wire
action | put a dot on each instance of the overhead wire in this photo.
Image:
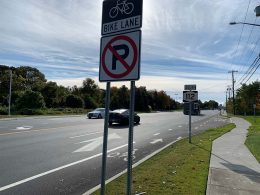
(250, 56)
(243, 26)
(253, 72)
(250, 69)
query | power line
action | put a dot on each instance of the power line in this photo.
(249, 70)
(239, 40)
(253, 73)
(242, 56)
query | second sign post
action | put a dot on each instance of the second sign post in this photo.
(120, 50)
(190, 95)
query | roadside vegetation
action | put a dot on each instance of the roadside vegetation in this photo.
(181, 168)
(245, 98)
(253, 136)
(32, 94)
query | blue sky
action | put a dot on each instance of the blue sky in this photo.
(183, 42)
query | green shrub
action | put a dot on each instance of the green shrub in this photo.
(30, 100)
(3, 110)
(74, 101)
(28, 111)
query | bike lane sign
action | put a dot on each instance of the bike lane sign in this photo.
(120, 57)
(121, 15)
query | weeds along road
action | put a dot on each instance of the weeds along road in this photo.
(62, 155)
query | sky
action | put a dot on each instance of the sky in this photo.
(183, 42)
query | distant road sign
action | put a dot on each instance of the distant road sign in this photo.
(190, 87)
(120, 57)
(121, 15)
(190, 96)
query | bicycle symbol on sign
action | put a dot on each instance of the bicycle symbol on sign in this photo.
(124, 7)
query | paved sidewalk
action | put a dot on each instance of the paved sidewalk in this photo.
(233, 169)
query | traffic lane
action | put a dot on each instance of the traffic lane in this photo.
(71, 180)
(66, 178)
(24, 155)
(35, 149)
(26, 124)
(126, 133)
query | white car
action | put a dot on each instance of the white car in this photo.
(97, 113)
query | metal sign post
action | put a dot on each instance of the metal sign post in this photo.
(104, 154)
(190, 122)
(254, 106)
(130, 139)
(190, 96)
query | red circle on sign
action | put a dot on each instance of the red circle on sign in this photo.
(128, 67)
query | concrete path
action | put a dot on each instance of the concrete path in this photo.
(233, 169)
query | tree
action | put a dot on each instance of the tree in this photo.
(114, 98)
(123, 97)
(91, 93)
(141, 102)
(246, 97)
(50, 94)
(26, 77)
(31, 100)
(90, 102)
(74, 101)
(62, 93)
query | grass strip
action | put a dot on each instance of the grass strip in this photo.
(181, 168)
(253, 136)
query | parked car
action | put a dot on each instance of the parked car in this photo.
(97, 113)
(121, 116)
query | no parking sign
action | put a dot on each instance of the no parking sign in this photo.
(120, 57)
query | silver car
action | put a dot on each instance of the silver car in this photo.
(97, 113)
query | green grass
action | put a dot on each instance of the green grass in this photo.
(46, 111)
(181, 168)
(253, 136)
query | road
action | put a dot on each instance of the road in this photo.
(62, 155)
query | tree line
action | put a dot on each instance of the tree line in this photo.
(246, 97)
(31, 90)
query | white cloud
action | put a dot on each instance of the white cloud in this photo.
(193, 36)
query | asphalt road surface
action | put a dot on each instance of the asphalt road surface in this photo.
(62, 155)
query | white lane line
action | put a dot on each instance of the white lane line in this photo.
(56, 169)
(179, 138)
(156, 134)
(23, 128)
(196, 128)
(180, 126)
(170, 129)
(85, 134)
(156, 141)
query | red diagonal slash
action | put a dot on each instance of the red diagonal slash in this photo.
(127, 66)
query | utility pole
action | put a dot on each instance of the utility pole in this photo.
(226, 101)
(10, 93)
(233, 89)
(228, 89)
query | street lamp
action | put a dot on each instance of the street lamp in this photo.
(233, 23)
